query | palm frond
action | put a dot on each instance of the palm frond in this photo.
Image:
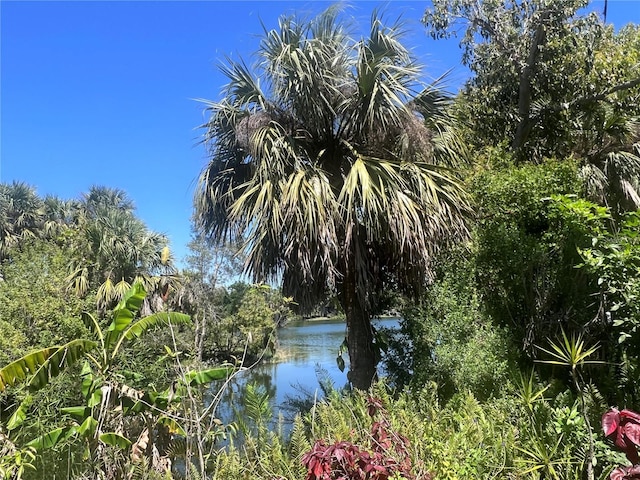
(331, 157)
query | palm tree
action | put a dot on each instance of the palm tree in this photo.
(117, 250)
(609, 145)
(100, 198)
(21, 215)
(60, 214)
(331, 170)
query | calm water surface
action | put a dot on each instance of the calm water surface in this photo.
(303, 348)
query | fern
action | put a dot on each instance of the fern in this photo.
(227, 465)
(193, 473)
(142, 470)
(594, 401)
(299, 445)
(256, 405)
(177, 448)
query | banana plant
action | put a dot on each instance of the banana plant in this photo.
(105, 396)
(37, 368)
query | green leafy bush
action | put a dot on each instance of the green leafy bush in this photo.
(33, 301)
(525, 250)
(613, 258)
(447, 339)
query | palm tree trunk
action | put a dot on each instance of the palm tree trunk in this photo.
(362, 358)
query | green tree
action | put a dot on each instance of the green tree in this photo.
(329, 163)
(258, 315)
(245, 322)
(21, 215)
(201, 291)
(117, 249)
(60, 215)
(506, 46)
(525, 251)
(449, 340)
(100, 198)
(35, 310)
(614, 259)
(549, 81)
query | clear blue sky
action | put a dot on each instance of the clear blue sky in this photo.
(102, 93)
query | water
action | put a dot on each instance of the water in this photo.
(303, 348)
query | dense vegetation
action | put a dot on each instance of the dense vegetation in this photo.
(503, 221)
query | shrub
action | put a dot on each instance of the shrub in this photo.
(386, 455)
(449, 340)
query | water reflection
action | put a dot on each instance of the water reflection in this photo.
(304, 348)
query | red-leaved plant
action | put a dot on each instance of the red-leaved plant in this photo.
(623, 427)
(388, 455)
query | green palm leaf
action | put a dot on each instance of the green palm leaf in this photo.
(88, 427)
(121, 289)
(59, 360)
(160, 319)
(173, 426)
(202, 377)
(20, 369)
(80, 413)
(131, 301)
(92, 324)
(106, 292)
(124, 313)
(150, 322)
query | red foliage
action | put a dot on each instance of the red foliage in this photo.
(624, 428)
(626, 473)
(348, 461)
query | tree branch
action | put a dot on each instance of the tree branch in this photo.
(485, 25)
(602, 95)
(581, 101)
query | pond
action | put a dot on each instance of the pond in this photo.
(305, 348)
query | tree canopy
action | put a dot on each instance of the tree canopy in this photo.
(549, 80)
(328, 160)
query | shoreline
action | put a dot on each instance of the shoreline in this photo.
(342, 317)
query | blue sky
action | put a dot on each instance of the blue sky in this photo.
(102, 93)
